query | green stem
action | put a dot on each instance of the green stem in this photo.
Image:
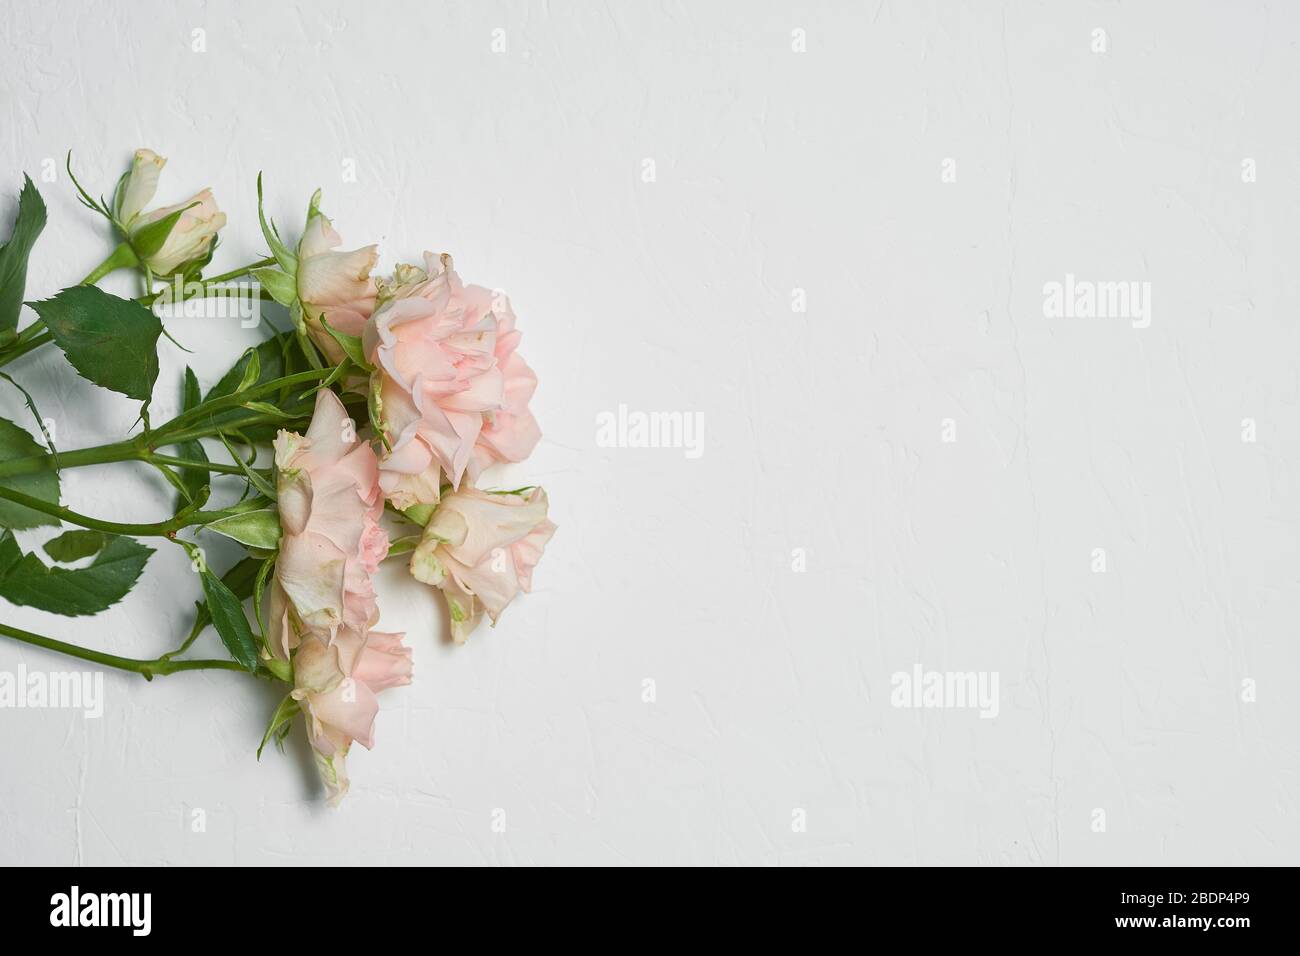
(122, 257)
(117, 260)
(242, 270)
(32, 330)
(186, 518)
(238, 399)
(149, 669)
(230, 425)
(132, 451)
(97, 455)
(191, 463)
(208, 284)
(21, 348)
(184, 427)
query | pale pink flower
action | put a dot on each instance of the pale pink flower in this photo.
(512, 433)
(480, 548)
(138, 187)
(434, 342)
(322, 600)
(333, 284)
(191, 235)
(330, 504)
(341, 707)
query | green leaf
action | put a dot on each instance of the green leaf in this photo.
(287, 260)
(276, 358)
(190, 392)
(259, 586)
(252, 371)
(90, 202)
(285, 712)
(257, 481)
(404, 545)
(16, 443)
(75, 545)
(305, 344)
(266, 408)
(112, 342)
(241, 577)
(26, 580)
(193, 270)
(282, 286)
(420, 513)
(186, 497)
(148, 239)
(271, 365)
(15, 253)
(192, 479)
(257, 529)
(350, 344)
(230, 621)
(119, 193)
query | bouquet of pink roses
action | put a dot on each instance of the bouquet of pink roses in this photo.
(376, 414)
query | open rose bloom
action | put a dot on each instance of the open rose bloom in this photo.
(481, 548)
(453, 388)
(323, 597)
(341, 704)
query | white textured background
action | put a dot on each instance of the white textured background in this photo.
(776, 170)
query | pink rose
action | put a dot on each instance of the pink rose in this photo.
(512, 433)
(322, 600)
(340, 707)
(480, 548)
(336, 285)
(330, 504)
(434, 342)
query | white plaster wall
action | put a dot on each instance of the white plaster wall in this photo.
(775, 170)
